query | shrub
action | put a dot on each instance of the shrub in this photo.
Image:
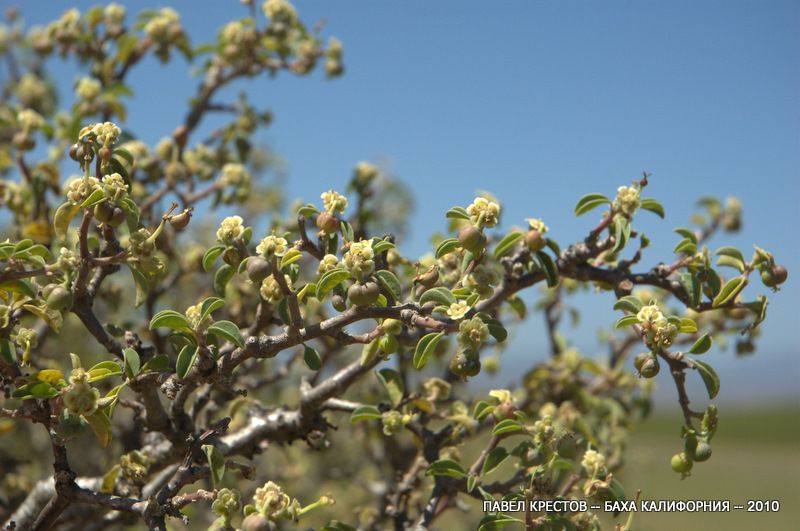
(192, 354)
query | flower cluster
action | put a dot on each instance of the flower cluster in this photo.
(627, 200)
(393, 422)
(359, 259)
(484, 213)
(135, 465)
(114, 187)
(334, 201)
(80, 188)
(105, 133)
(271, 502)
(272, 246)
(227, 504)
(230, 230)
(659, 332)
(279, 11)
(328, 262)
(593, 462)
(458, 310)
(79, 397)
(164, 26)
(472, 333)
(537, 225)
(88, 88)
(29, 120)
(481, 280)
(271, 290)
(193, 314)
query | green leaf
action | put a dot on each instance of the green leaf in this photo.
(457, 213)
(132, 362)
(440, 295)
(709, 376)
(733, 252)
(62, 219)
(95, 197)
(507, 243)
(216, 463)
(392, 383)
(101, 426)
(291, 256)
(691, 284)
(363, 413)
(8, 353)
(210, 305)
(729, 291)
(702, 345)
(496, 522)
(186, 359)
(211, 255)
(472, 482)
(446, 467)
(482, 409)
(507, 427)
(221, 278)
(687, 326)
(228, 331)
(628, 304)
(446, 247)
(627, 320)
(496, 328)
(685, 246)
(494, 460)
(347, 231)
(35, 390)
(590, 202)
(307, 211)
(653, 206)
(125, 154)
(425, 349)
(170, 319)
(381, 246)
(330, 280)
(729, 261)
(103, 370)
(688, 234)
(622, 232)
(142, 285)
(390, 283)
(159, 363)
(550, 269)
(311, 358)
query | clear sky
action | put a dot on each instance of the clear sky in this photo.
(540, 102)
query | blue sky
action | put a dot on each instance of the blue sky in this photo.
(540, 102)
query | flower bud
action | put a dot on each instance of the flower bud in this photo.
(258, 269)
(534, 240)
(702, 452)
(472, 239)
(257, 522)
(363, 294)
(58, 297)
(327, 223)
(388, 343)
(681, 463)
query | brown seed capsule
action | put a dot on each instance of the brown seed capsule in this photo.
(429, 278)
(257, 522)
(534, 240)
(363, 294)
(104, 153)
(258, 269)
(472, 239)
(780, 274)
(327, 223)
(181, 221)
(338, 303)
(465, 363)
(73, 152)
